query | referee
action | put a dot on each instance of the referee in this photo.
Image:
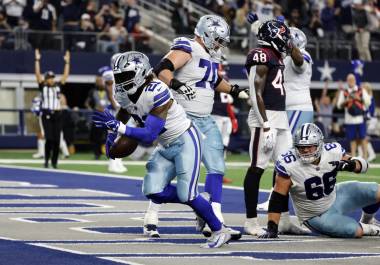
(51, 107)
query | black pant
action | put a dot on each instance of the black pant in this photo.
(52, 123)
(97, 136)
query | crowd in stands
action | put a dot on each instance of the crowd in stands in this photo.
(329, 20)
(114, 23)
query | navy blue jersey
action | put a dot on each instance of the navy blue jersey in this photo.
(220, 104)
(274, 92)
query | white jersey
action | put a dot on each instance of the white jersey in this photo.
(200, 73)
(313, 189)
(154, 95)
(297, 81)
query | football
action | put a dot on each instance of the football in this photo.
(123, 147)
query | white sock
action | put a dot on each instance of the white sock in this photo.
(41, 146)
(154, 206)
(370, 230)
(217, 208)
(151, 215)
(63, 147)
(371, 152)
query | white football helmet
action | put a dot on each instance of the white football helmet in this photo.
(308, 135)
(299, 38)
(130, 70)
(214, 32)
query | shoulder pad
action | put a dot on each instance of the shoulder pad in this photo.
(182, 43)
(158, 92)
(285, 162)
(306, 56)
(334, 147)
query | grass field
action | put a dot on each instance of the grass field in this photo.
(236, 173)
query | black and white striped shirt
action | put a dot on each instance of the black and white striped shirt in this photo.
(50, 97)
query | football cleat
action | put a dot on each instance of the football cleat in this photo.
(370, 229)
(235, 234)
(252, 227)
(151, 231)
(218, 239)
(286, 226)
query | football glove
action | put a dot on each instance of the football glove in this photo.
(268, 141)
(252, 17)
(183, 89)
(344, 165)
(237, 92)
(105, 120)
(111, 137)
(272, 231)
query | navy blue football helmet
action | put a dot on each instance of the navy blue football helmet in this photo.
(275, 34)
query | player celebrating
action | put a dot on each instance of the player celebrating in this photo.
(267, 117)
(308, 172)
(150, 102)
(191, 70)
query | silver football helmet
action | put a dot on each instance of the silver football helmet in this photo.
(308, 135)
(299, 38)
(130, 70)
(214, 32)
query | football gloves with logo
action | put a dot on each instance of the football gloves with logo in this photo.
(238, 92)
(344, 165)
(268, 141)
(106, 120)
(272, 231)
(183, 89)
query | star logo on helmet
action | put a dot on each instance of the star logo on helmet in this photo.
(136, 60)
(215, 23)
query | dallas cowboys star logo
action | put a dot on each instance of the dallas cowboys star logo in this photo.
(326, 71)
(136, 60)
(215, 23)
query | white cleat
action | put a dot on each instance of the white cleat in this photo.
(286, 226)
(370, 229)
(218, 239)
(38, 155)
(252, 227)
(263, 206)
(235, 234)
(151, 231)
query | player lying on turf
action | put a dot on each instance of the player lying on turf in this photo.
(308, 172)
(150, 102)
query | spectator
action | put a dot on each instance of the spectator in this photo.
(14, 9)
(71, 17)
(315, 24)
(371, 121)
(105, 12)
(181, 19)
(132, 15)
(118, 34)
(104, 40)
(295, 18)
(345, 15)
(91, 9)
(362, 34)
(4, 41)
(87, 39)
(116, 11)
(329, 16)
(263, 9)
(240, 25)
(324, 109)
(45, 20)
(354, 100)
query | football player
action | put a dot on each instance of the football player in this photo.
(267, 118)
(151, 104)
(190, 69)
(297, 79)
(308, 172)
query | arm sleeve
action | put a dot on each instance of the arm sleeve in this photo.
(340, 100)
(148, 133)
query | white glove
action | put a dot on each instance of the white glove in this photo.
(268, 141)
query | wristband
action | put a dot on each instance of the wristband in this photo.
(266, 125)
(122, 128)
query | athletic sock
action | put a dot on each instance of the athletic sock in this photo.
(214, 186)
(251, 190)
(203, 208)
(217, 208)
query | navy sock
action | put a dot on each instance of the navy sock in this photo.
(214, 186)
(203, 209)
(168, 195)
(371, 209)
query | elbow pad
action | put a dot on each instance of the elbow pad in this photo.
(363, 163)
(164, 64)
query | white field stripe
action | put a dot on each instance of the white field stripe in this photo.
(58, 248)
(126, 163)
(121, 261)
(105, 192)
